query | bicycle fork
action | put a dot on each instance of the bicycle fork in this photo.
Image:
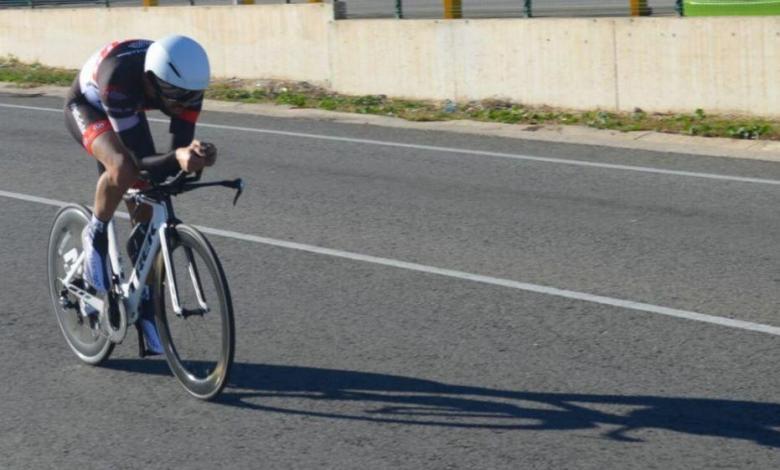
(170, 275)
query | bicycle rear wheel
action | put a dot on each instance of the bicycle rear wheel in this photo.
(82, 333)
(200, 343)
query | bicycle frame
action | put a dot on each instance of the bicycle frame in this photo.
(129, 290)
(162, 220)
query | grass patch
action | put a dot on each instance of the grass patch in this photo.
(28, 75)
(304, 95)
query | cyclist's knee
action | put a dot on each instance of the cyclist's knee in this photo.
(120, 169)
(124, 173)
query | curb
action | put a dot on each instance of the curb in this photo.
(642, 140)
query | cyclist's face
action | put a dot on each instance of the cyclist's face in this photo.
(175, 100)
(172, 106)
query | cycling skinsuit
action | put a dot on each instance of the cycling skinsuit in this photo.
(108, 95)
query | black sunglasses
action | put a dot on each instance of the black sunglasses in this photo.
(187, 98)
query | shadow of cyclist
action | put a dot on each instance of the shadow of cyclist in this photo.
(385, 398)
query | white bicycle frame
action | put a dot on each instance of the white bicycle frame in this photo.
(130, 291)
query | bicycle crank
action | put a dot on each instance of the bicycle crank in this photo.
(113, 318)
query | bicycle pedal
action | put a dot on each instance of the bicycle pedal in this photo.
(65, 301)
(68, 305)
(97, 331)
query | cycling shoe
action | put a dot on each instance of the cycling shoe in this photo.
(151, 336)
(95, 244)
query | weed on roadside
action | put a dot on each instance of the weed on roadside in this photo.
(306, 95)
(29, 75)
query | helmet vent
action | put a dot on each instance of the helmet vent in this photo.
(174, 70)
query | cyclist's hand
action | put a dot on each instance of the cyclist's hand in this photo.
(191, 158)
(210, 152)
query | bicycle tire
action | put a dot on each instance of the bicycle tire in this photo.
(184, 237)
(84, 338)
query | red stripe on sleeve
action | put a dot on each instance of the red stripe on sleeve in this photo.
(189, 115)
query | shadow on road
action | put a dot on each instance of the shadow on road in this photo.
(381, 398)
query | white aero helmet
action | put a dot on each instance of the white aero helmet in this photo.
(179, 61)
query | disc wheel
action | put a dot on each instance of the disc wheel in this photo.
(81, 332)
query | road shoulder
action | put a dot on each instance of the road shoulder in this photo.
(643, 140)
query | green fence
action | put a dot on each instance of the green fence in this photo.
(731, 7)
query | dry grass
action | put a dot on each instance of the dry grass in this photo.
(304, 95)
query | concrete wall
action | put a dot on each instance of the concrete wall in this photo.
(557, 62)
(657, 64)
(253, 41)
(726, 64)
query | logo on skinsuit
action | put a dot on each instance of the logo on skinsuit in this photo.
(93, 132)
(74, 110)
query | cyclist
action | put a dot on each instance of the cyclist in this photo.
(105, 113)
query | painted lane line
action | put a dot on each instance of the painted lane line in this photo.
(32, 108)
(524, 286)
(485, 153)
(452, 150)
(495, 281)
(36, 199)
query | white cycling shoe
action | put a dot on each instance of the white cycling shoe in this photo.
(95, 244)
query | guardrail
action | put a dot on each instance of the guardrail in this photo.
(453, 9)
(50, 3)
(417, 8)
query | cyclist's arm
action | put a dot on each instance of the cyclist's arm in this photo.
(131, 125)
(138, 141)
(182, 127)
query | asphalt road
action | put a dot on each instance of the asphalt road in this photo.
(349, 362)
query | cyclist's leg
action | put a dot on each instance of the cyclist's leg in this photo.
(119, 175)
(90, 127)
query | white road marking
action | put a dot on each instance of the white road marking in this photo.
(508, 283)
(452, 150)
(39, 200)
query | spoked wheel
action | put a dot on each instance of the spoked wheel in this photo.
(81, 332)
(199, 343)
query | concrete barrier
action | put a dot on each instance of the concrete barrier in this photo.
(567, 63)
(726, 65)
(723, 64)
(254, 41)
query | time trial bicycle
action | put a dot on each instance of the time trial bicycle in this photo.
(193, 309)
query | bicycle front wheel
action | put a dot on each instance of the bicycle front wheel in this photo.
(81, 332)
(199, 343)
